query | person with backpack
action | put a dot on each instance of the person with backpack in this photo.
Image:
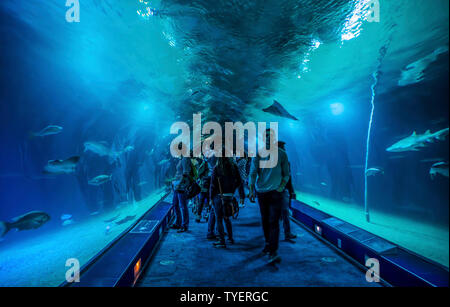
(225, 179)
(204, 180)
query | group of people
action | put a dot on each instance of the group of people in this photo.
(219, 178)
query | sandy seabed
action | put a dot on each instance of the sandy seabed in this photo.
(41, 261)
(429, 241)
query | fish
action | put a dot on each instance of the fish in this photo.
(49, 130)
(140, 184)
(99, 180)
(128, 149)
(94, 213)
(277, 109)
(323, 184)
(374, 171)
(440, 168)
(67, 223)
(112, 219)
(28, 221)
(58, 167)
(126, 219)
(163, 162)
(65, 217)
(316, 203)
(432, 160)
(415, 72)
(100, 148)
(416, 141)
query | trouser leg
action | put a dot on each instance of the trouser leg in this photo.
(285, 216)
(264, 209)
(211, 222)
(229, 227)
(219, 217)
(184, 209)
(275, 209)
(176, 206)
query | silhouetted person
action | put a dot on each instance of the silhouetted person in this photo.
(180, 185)
(288, 235)
(225, 179)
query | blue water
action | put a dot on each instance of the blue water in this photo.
(122, 77)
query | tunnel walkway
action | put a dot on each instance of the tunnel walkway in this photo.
(189, 260)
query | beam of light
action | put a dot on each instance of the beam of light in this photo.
(375, 75)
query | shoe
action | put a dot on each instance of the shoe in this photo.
(173, 226)
(182, 229)
(290, 236)
(265, 251)
(197, 220)
(274, 258)
(230, 241)
(219, 244)
(211, 237)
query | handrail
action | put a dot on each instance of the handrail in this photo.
(103, 251)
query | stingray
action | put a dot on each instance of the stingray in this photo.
(127, 219)
(277, 109)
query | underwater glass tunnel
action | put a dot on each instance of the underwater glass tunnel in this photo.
(89, 91)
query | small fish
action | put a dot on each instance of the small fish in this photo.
(99, 180)
(374, 171)
(127, 219)
(128, 148)
(140, 184)
(94, 213)
(66, 217)
(67, 223)
(59, 167)
(107, 229)
(28, 221)
(347, 199)
(316, 203)
(163, 162)
(323, 184)
(432, 160)
(100, 148)
(440, 168)
(329, 259)
(112, 219)
(49, 130)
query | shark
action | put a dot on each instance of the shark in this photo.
(415, 141)
(440, 168)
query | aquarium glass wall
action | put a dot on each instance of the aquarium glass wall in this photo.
(361, 92)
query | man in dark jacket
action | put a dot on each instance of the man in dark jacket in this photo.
(225, 179)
